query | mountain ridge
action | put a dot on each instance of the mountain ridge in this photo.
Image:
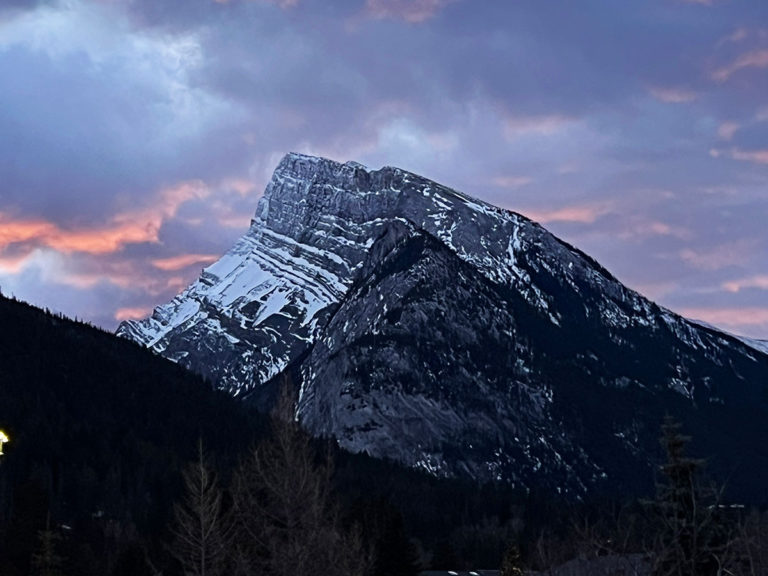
(337, 278)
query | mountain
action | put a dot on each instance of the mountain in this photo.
(448, 334)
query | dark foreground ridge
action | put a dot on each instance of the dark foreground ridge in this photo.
(99, 430)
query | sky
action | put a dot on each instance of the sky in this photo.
(136, 136)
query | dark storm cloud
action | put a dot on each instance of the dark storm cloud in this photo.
(84, 129)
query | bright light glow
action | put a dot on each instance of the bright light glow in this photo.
(3, 440)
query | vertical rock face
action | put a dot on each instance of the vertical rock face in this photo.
(454, 336)
(263, 304)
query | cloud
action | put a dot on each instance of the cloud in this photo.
(122, 314)
(511, 181)
(719, 257)
(12, 264)
(726, 130)
(183, 261)
(638, 228)
(752, 59)
(734, 37)
(736, 318)
(752, 156)
(516, 126)
(760, 282)
(36, 233)
(411, 11)
(673, 95)
(128, 114)
(578, 214)
(105, 105)
(129, 227)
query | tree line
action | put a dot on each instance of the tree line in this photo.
(686, 530)
(279, 511)
(278, 517)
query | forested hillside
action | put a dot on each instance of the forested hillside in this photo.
(101, 430)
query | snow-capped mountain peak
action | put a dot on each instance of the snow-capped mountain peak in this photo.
(449, 334)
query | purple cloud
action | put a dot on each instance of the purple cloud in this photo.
(636, 132)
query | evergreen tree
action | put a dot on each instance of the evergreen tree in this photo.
(691, 538)
(202, 530)
(288, 522)
(45, 560)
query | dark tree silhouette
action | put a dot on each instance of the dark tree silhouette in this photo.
(288, 522)
(511, 564)
(692, 539)
(202, 530)
(46, 560)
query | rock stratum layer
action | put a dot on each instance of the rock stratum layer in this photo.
(451, 335)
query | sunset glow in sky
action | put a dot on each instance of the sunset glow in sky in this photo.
(136, 136)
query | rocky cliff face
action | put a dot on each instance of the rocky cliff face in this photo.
(451, 335)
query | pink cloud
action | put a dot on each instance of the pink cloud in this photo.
(578, 214)
(93, 241)
(240, 185)
(18, 231)
(754, 156)
(515, 126)
(92, 256)
(130, 274)
(412, 11)
(639, 228)
(182, 261)
(672, 95)
(753, 59)
(13, 264)
(511, 181)
(734, 37)
(661, 229)
(727, 130)
(131, 313)
(760, 282)
(729, 317)
(719, 257)
(129, 227)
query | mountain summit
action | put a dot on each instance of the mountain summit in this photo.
(451, 335)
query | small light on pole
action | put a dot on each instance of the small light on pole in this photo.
(3, 440)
